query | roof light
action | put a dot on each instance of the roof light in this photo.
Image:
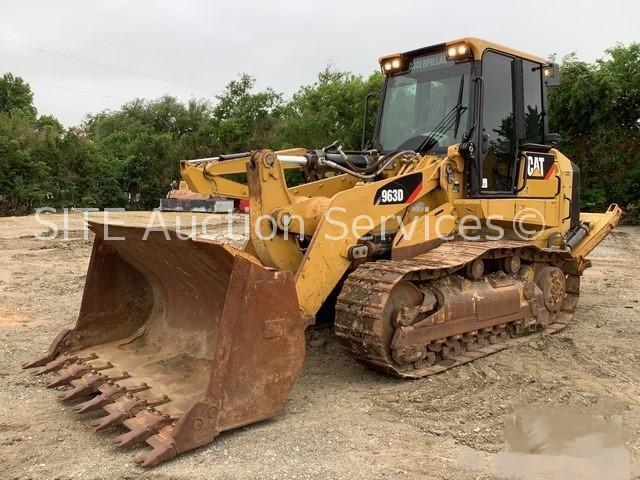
(458, 51)
(551, 74)
(392, 64)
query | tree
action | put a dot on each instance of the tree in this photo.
(144, 141)
(328, 110)
(621, 72)
(596, 109)
(243, 120)
(16, 95)
(24, 175)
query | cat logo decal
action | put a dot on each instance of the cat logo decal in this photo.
(539, 166)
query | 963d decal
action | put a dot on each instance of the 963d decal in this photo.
(401, 190)
(539, 165)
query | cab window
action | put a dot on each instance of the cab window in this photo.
(498, 154)
(417, 101)
(532, 86)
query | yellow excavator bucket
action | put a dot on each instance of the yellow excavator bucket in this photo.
(177, 340)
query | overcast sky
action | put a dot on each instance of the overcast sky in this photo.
(193, 48)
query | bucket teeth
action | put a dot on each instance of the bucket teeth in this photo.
(61, 361)
(75, 371)
(108, 392)
(111, 420)
(68, 374)
(52, 351)
(141, 427)
(88, 385)
(55, 365)
(82, 387)
(163, 449)
(118, 412)
(125, 407)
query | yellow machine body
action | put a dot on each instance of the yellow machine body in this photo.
(459, 229)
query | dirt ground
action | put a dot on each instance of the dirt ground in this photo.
(342, 420)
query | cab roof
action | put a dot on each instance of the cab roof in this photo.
(477, 46)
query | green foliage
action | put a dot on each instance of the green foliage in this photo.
(243, 120)
(16, 96)
(141, 144)
(42, 164)
(596, 109)
(24, 176)
(330, 109)
(129, 157)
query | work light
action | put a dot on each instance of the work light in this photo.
(392, 64)
(458, 51)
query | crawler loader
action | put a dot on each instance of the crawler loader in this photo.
(455, 231)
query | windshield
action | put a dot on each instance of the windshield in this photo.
(417, 101)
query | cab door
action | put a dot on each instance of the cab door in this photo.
(517, 173)
(538, 170)
(498, 140)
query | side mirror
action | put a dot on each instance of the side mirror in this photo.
(551, 74)
(551, 138)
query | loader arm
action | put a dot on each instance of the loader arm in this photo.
(199, 181)
(339, 223)
(210, 176)
(328, 256)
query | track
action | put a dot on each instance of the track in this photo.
(454, 304)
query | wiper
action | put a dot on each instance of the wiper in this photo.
(445, 124)
(460, 90)
(451, 118)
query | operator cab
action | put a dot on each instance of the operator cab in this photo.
(488, 98)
